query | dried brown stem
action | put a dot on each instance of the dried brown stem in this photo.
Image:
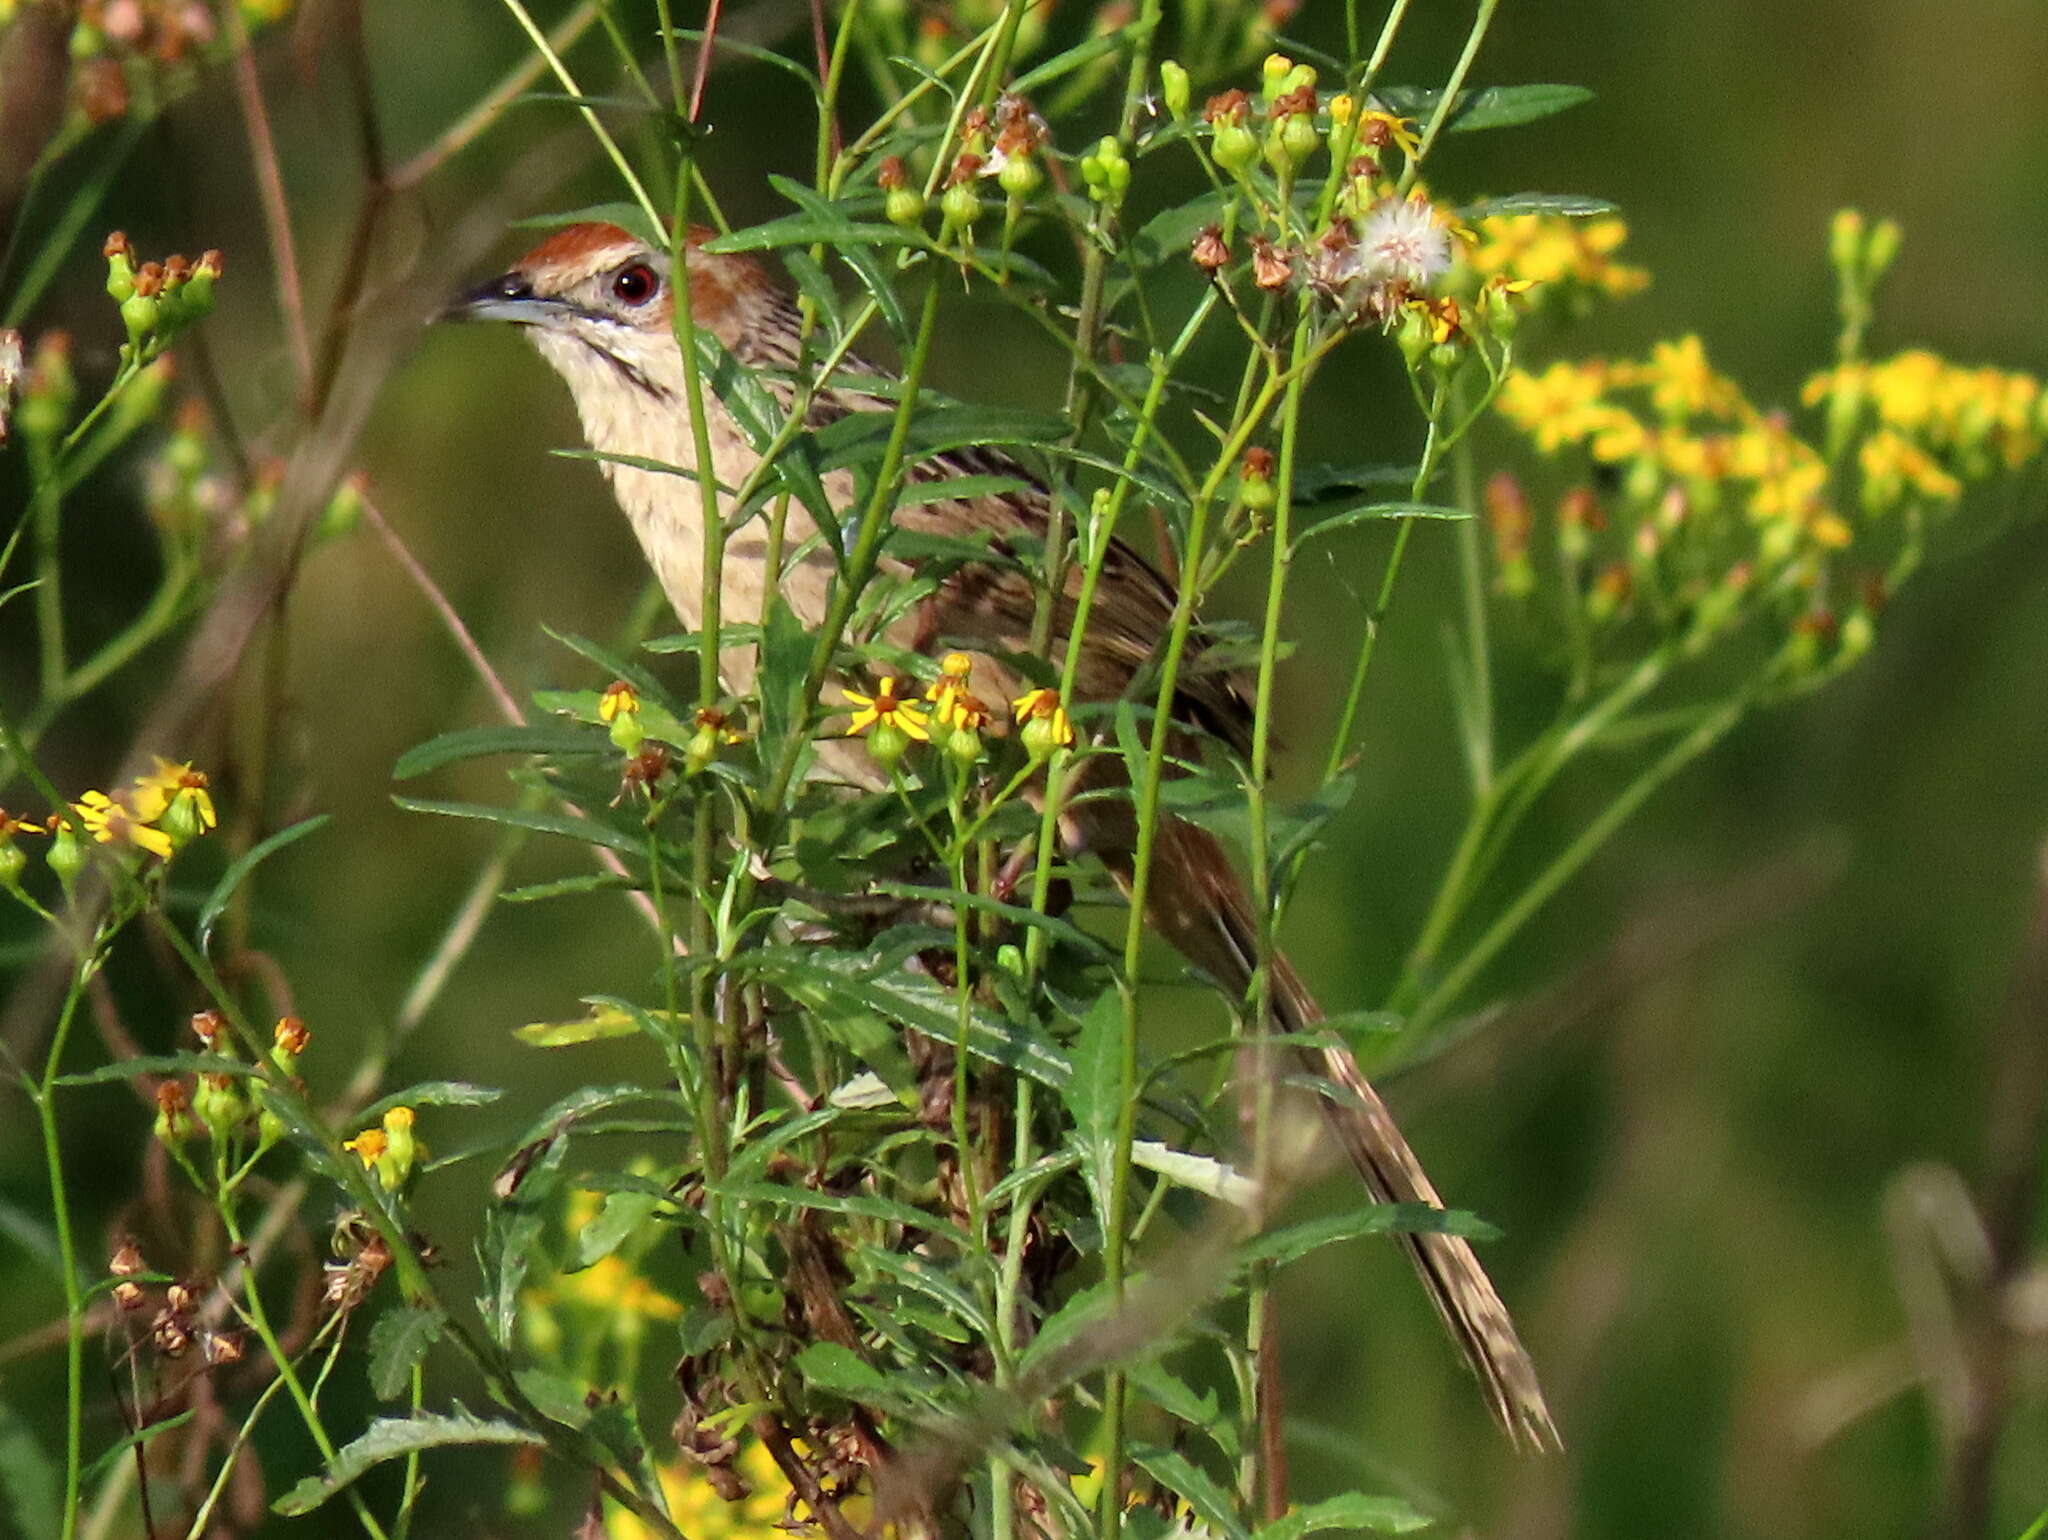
(277, 218)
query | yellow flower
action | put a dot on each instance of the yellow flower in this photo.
(1560, 406)
(1683, 385)
(1550, 248)
(1044, 720)
(111, 822)
(619, 699)
(175, 797)
(367, 1146)
(1377, 128)
(887, 708)
(954, 671)
(702, 1514)
(612, 1286)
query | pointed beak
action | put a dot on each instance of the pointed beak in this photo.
(508, 297)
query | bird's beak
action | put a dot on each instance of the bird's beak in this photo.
(508, 297)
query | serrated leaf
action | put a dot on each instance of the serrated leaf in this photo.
(1567, 205)
(389, 1438)
(1349, 1510)
(433, 1093)
(247, 862)
(398, 1341)
(1094, 1094)
(1491, 107)
(1373, 513)
(160, 1064)
(1178, 1474)
(1294, 1242)
(536, 820)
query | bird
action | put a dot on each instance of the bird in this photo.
(597, 302)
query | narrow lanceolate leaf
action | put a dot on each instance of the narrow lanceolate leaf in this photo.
(389, 1438)
(537, 820)
(812, 229)
(433, 1093)
(1493, 107)
(1296, 1241)
(1351, 1510)
(1373, 513)
(1568, 205)
(1182, 1477)
(478, 742)
(238, 873)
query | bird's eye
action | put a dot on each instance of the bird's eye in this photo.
(635, 284)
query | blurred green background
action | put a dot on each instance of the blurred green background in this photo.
(1742, 1040)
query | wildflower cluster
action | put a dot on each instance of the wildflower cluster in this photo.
(892, 721)
(158, 300)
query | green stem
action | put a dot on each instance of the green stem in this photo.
(1478, 735)
(1447, 102)
(1575, 855)
(45, 1097)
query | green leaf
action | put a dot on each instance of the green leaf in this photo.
(28, 1478)
(1492, 107)
(565, 887)
(388, 1438)
(874, 276)
(611, 1227)
(729, 44)
(250, 859)
(1198, 1173)
(34, 1235)
(1042, 75)
(535, 819)
(811, 229)
(398, 1341)
(110, 1456)
(859, 1205)
(1178, 1474)
(602, 1022)
(1351, 1510)
(1294, 1242)
(477, 742)
(1319, 483)
(1568, 205)
(1374, 512)
(1201, 1410)
(629, 217)
(1094, 1094)
(433, 1093)
(160, 1064)
(829, 1366)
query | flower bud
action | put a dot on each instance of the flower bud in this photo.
(960, 204)
(50, 389)
(1106, 172)
(120, 268)
(344, 509)
(218, 1104)
(1173, 89)
(288, 1039)
(1412, 336)
(1255, 480)
(619, 709)
(1845, 241)
(1020, 177)
(401, 1149)
(1273, 73)
(142, 309)
(66, 856)
(1234, 147)
(13, 862)
(1045, 723)
(174, 1124)
(1883, 249)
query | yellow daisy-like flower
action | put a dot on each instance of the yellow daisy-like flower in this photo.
(113, 822)
(1560, 406)
(887, 708)
(175, 797)
(1044, 720)
(1379, 128)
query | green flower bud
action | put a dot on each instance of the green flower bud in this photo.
(344, 510)
(120, 268)
(219, 1105)
(963, 746)
(1845, 241)
(959, 206)
(1298, 137)
(1273, 75)
(1412, 336)
(13, 862)
(1234, 147)
(66, 857)
(143, 309)
(904, 206)
(1173, 89)
(1020, 177)
(1883, 249)
(269, 1129)
(701, 750)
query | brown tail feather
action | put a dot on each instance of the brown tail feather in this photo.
(1199, 905)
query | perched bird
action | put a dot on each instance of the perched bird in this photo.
(597, 302)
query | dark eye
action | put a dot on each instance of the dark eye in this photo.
(635, 284)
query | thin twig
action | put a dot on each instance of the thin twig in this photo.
(277, 219)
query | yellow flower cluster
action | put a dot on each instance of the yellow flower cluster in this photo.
(1930, 410)
(702, 1514)
(169, 807)
(1554, 249)
(1699, 432)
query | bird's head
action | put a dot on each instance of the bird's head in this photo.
(597, 301)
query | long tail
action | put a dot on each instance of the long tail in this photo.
(1198, 904)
